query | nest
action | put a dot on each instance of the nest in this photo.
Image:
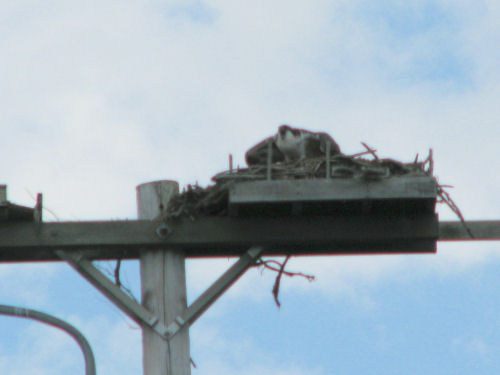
(212, 200)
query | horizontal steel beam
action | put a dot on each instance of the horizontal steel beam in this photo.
(224, 236)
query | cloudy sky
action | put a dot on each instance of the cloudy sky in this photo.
(98, 97)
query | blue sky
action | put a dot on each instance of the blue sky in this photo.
(97, 98)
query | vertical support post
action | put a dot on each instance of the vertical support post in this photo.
(328, 160)
(163, 289)
(3, 193)
(269, 159)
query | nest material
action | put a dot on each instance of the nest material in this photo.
(212, 200)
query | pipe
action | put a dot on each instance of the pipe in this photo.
(58, 323)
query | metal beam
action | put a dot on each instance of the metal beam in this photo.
(203, 302)
(134, 310)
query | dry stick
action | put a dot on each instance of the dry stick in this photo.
(266, 264)
(269, 159)
(117, 273)
(276, 287)
(370, 150)
(430, 160)
(362, 153)
(328, 161)
(281, 271)
(446, 198)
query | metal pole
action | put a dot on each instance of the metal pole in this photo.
(163, 284)
(58, 323)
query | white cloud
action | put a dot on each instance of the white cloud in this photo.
(100, 97)
(26, 284)
(221, 355)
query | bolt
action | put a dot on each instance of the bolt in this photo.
(163, 231)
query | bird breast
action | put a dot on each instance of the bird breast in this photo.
(290, 145)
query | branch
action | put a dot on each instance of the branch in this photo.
(117, 273)
(370, 150)
(278, 267)
(446, 198)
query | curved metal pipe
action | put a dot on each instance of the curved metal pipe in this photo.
(58, 323)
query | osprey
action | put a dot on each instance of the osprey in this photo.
(290, 145)
(299, 144)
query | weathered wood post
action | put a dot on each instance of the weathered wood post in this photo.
(163, 285)
(3, 193)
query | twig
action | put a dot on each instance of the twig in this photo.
(43, 208)
(276, 287)
(430, 160)
(446, 198)
(192, 362)
(278, 267)
(370, 150)
(361, 153)
(266, 264)
(117, 273)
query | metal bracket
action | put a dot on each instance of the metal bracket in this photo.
(203, 302)
(134, 310)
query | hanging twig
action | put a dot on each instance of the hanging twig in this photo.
(446, 198)
(117, 273)
(268, 264)
(276, 287)
(192, 362)
(278, 267)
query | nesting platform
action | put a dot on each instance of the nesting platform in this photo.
(401, 195)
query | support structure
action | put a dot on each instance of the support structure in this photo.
(162, 246)
(163, 289)
(135, 311)
(204, 301)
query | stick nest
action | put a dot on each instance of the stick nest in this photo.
(212, 200)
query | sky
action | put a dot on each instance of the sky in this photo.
(99, 97)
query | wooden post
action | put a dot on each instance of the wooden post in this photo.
(3, 193)
(163, 285)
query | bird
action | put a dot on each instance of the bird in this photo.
(298, 144)
(290, 145)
